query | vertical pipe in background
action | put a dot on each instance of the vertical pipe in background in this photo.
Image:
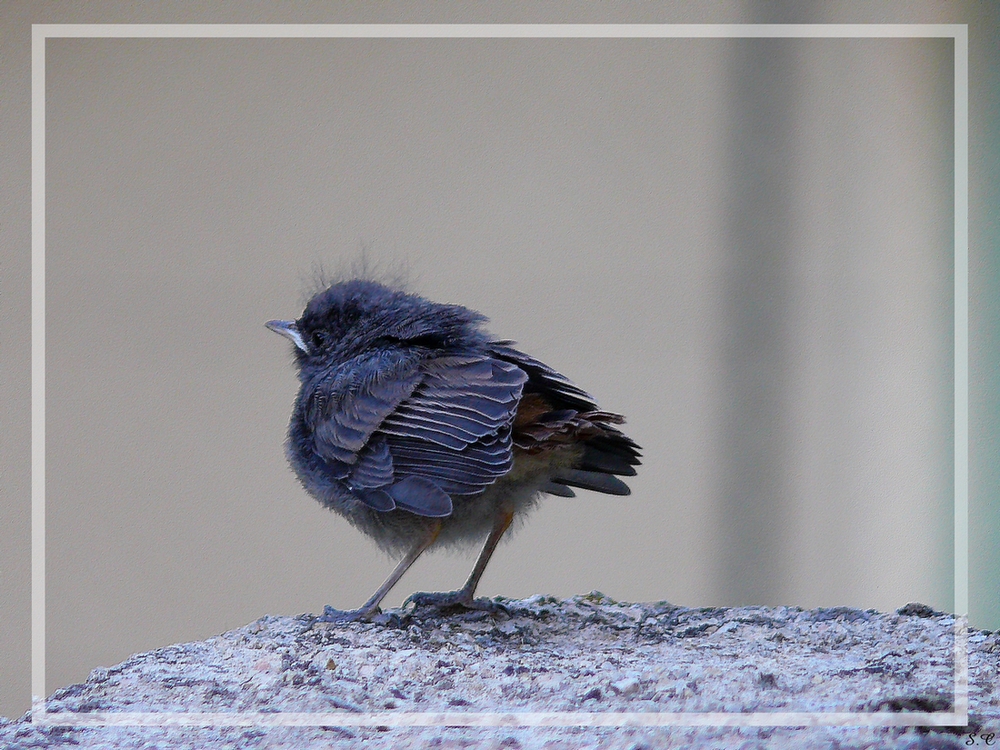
(752, 492)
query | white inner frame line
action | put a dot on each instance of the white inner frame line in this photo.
(958, 32)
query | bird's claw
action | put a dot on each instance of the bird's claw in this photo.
(350, 615)
(454, 600)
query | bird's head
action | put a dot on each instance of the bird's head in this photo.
(351, 318)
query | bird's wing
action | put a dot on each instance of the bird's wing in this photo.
(557, 389)
(409, 433)
(454, 431)
(346, 406)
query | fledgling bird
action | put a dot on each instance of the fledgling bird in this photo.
(422, 430)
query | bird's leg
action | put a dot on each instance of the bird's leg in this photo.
(500, 525)
(464, 596)
(370, 608)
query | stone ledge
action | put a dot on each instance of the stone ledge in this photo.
(585, 655)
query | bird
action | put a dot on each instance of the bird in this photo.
(422, 430)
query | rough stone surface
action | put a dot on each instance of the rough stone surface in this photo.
(584, 654)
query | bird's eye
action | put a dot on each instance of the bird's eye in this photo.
(317, 339)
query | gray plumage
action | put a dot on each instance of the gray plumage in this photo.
(422, 430)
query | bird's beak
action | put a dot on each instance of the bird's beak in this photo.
(289, 330)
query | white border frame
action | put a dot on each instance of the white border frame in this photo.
(958, 32)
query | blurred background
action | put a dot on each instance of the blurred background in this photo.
(745, 246)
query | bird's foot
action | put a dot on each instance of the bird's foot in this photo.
(392, 618)
(452, 600)
(351, 615)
